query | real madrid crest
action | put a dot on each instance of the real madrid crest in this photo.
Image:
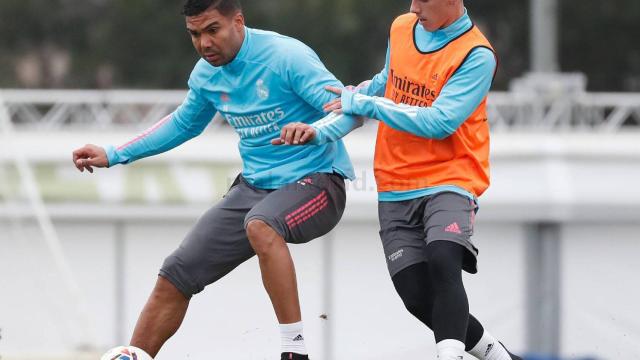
(262, 90)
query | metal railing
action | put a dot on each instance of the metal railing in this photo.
(45, 110)
(599, 112)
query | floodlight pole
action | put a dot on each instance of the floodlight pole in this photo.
(544, 35)
(543, 299)
(543, 249)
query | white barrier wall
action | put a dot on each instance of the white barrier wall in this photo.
(115, 247)
(365, 317)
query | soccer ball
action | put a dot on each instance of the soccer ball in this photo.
(126, 353)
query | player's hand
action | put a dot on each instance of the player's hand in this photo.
(336, 104)
(90, 156)
(295, 134)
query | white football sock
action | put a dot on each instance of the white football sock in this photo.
(488, 348)
(450, 349)
(292, 339)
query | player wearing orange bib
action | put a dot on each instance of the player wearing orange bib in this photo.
(431, 163)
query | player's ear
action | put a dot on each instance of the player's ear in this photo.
(238, 20)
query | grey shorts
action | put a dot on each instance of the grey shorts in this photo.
(218, 243)
(407, 227)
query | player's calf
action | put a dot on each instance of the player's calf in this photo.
(160, 318)
(278, 277)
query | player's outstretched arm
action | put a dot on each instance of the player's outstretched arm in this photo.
(459, 97)
(331, 128)
(187, 122)
(90, 156)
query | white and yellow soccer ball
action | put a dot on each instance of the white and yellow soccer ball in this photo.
(126, 353)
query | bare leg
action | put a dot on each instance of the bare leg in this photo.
(278, 271)
(160, 318)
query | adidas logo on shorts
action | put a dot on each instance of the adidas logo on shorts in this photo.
(453, 228)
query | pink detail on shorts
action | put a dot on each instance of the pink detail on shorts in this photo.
(306, 205)
(306, 215)
(146, 132)
(453, 228)
(306, 211)
(472, 218)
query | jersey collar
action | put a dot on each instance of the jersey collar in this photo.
(428, 42)
(458, 27)
(236, 64)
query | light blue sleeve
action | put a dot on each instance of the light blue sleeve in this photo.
(459, 98)
(334, 127)
(378, 84)
(188, 121)
(308, 78)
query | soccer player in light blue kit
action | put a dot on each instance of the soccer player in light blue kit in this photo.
(259, 81)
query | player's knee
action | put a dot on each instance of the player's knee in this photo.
(261, 236)
(416, 306)
(417, 303)
(414, 292)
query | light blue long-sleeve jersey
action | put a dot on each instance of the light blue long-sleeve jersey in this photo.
(459, 98)
(273, 80)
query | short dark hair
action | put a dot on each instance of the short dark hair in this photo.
(197, 7)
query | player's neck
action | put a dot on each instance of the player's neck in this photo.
(241, 40)
(454, 17)
(243, 35)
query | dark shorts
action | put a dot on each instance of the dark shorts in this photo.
(218, 243)
(407, 227)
